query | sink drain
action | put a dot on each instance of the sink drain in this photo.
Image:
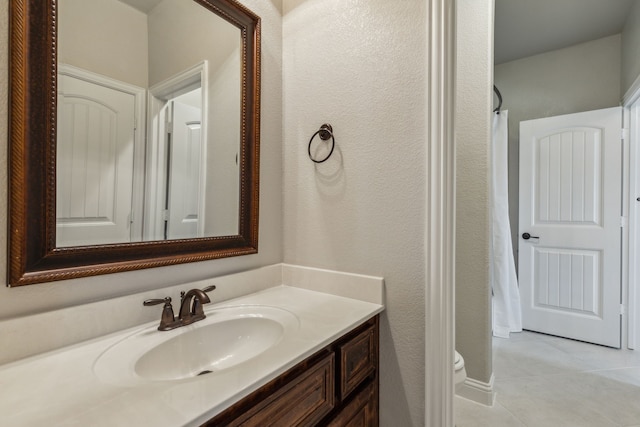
(204, 373)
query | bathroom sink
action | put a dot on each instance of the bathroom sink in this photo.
(225, 339)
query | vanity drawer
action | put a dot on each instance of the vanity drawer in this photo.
(358, 359)
(302, 402)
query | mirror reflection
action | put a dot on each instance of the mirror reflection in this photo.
(149, 113)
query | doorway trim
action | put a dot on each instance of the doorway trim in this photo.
(631, 104)
(439, 237)
(158, 96)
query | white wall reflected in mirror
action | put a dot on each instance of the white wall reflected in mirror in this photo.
(118, 179)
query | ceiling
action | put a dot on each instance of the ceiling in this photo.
(142, 5)
(529, 27)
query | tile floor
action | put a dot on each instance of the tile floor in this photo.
(545, 381)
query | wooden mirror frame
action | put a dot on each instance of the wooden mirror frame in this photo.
(33, 255)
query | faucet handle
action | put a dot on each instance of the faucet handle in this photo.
(209, 288)
(156, 301)
(167, 320)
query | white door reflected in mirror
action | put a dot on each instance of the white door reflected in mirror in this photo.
(96, 120)
(183, 218)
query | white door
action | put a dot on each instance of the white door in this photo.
(184, 175)
(94, 176)
(570, 218)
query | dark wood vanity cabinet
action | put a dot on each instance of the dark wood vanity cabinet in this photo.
(337, 387)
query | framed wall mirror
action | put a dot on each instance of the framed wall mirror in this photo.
(134, 135)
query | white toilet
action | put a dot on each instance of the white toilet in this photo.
(460, 374)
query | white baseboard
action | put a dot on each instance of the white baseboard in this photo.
(477, 391)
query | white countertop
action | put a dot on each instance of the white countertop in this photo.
(60, 388)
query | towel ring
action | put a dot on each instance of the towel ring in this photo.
(325, 132)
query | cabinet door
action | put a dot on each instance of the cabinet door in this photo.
(362, 411)
(358, 360)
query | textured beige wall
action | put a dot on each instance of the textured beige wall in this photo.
(15, 302)
(578, 78)
(473, 132)
(360, 65)
(224, 145)
(630, 48)
(113, 42)
(181, 35)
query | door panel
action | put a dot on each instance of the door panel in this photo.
(567, 280)
(185, 195)
(570, 203)
(568, 177)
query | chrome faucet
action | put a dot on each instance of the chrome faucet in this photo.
(191, 305)
(191, 310)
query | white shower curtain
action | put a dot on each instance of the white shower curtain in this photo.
(507, 315)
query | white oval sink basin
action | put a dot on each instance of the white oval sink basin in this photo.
(226, 338)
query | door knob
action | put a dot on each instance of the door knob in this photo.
(527, 236)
